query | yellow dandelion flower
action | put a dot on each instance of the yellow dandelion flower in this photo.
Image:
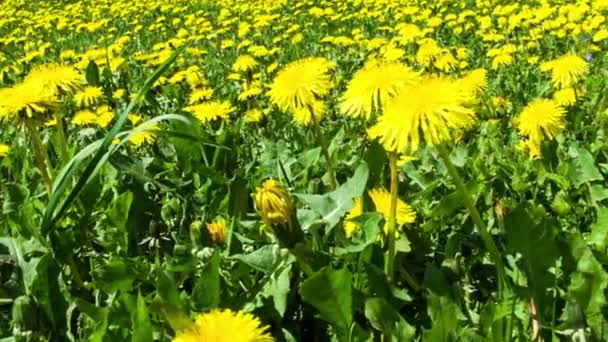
(212, 110)
(249, 92)
(382, 202)
(145, 136)
(134, 119)
(26, 99)
(4, 150)
(600, 35)
(105, 115)
(225, 325)
(502, 60)
(234, 76)
(301, 83)
(350, 227)
(217, 231)
(565, 97)
(429, 111)
(428, 52)
(540, 119)
(306, 116)
(84, 117)
(273, 203)
(373, 85)
(56, 78)
(118, 94)
(200, 94)
(254, 115)
(88, 96)
(474, 80)
(244, 63)
(445, 61)
(566, 70)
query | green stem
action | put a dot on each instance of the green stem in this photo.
(475, 216)
(39, 153)
(63, 146)
(389, 266)
(325, 150)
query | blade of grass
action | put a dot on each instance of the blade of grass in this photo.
(50, 214)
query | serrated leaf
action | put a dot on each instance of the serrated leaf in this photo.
(586, 290)
(582, 166)
(261, 259)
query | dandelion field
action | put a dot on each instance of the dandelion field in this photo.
(348, 170)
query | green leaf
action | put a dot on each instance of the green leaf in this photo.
(330, 292)
(598, 237)
(206, 293)
(167, 290)
(142, 326)
(118, 211)
(598, 192)
(278, 288)
(262, 259)
(582, 166)
(330, 207)
(586, 290)
(536, 242)
(444, 314)
(115, 275)
(383, 317)
(92, 74)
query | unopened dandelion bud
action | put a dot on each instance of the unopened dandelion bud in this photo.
(275, 207)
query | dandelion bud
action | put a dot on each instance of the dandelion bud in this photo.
(275, 207)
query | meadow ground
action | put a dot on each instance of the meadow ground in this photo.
(319, 170)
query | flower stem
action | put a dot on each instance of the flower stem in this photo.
(62, 139)
(389, 265)
(325, 150)
(39, 153)
(475, 216)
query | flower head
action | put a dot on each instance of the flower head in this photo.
(4, 150)
(428, 111)
(566, 70)
(382, 202)
(373, 86)
(84, 117)
(217, 231)
(88, 96)
(301, 83)
(26, 99)
(146, 136)
(539, 119)
(56, 78)
(224, 326)
(273, 203)
(244, 63)
(351, 227)
(212, 110)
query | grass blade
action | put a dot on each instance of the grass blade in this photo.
(50, 214)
